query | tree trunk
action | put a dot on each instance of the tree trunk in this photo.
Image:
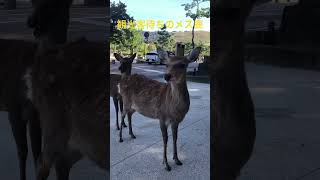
(192, 40)
(232, 106)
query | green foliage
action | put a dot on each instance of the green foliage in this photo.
(196, 14)
(165, 40)
(130, 42)
(118, 11)
(205, 49)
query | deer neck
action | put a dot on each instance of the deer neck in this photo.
(179, 92)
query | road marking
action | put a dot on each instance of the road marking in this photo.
(149, 70)
(88, 21)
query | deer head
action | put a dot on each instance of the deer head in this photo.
(125, 63)
(177, 65)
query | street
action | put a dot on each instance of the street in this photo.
(141, 158)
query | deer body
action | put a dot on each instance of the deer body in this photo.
(155, 99)
(15, 58)
(169, 102)
(71, 96)
(125, 68)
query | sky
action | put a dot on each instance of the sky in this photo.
(163, 10)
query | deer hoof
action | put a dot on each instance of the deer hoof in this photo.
(168, 168)
(133, 136)
(120, 140)
(124, 125)
(178, 162)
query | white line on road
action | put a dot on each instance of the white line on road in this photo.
(149, 70)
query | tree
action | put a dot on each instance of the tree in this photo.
(199, 12)
(118, 11)
(165, 40)
(132, 40)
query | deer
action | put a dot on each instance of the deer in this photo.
(15, 58)
(68, 88)
(125, 69)
(168, 102)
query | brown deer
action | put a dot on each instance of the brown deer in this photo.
(16, 57)
(69, 89)
(232, 109)
(169, 102)
(125, 69)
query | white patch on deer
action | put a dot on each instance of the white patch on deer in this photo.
(118, 85)
(27, 79)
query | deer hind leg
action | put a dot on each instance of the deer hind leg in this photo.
(44, 164)
(121, 109)
(174, 129)
(123, 115)
(32, 116)
(19, 130)
(115, 102)
(65, 162)
(164, 132)
(130, 125)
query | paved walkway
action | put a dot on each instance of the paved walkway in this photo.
(287, 103)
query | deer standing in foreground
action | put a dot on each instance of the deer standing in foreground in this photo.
(125, 69)
(169, 102)
(68, 87)
(16, 57)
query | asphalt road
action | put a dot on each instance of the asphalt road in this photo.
(85, 22)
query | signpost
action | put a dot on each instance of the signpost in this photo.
(146, 36)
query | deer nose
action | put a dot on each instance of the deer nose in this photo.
(167, 77)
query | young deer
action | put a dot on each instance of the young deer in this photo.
(125, 69)
(169, 102)
(16, 56)
(68, 87)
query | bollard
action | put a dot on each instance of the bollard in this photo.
(179, 49)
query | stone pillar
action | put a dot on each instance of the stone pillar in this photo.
(179, 49)
(10, 4)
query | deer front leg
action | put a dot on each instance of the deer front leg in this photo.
(164, 132)
(44, 164)
(174, 129)
(130, 125)
(121, 109)
(19, 130)
(115, 102)
(123, 115)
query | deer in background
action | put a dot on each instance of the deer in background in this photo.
(68, 88)
(125, 69)
(169, 102)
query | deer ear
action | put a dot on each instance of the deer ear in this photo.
(162, 54)
(133, 56)
(118, 56)
(194, 54)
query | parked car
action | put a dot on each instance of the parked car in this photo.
(193, 67)
(152, 57)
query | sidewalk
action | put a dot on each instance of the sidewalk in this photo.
(287, 104)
